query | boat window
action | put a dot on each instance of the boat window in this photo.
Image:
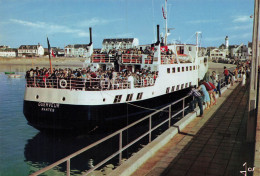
(173, 87)
(182, 69)
(186, 85)
(173, 70)
(182, 85)
(117, 98)
(139, 96)
(168, 70)
(190, 68)
(190, 83)
(129, 97)
(187, 68)
(194, 67)
(190, 48)
(168, 90)
(178, 87)
(179, 69)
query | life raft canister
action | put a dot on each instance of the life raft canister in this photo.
(63, 83)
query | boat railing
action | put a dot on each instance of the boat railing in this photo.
(87, 84)
(148, 60)
(145, 82)
(153, 125)
(168, 59)
(102, 58)
(132, 58)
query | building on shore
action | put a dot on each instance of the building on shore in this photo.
(218, 54)
(30, 51)
(8, 52)
(239, 52)
(77, 50)
(119, 43)
(58, 52)
(226, 52)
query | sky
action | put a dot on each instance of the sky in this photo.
(29, 22)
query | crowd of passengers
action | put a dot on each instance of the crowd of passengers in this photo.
(85, 79)
(119, 52)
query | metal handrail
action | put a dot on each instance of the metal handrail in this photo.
(119, 132)
(102, 58)
(132, 58)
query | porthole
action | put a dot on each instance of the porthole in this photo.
(104, 99)
(37, 96)
(63, 99)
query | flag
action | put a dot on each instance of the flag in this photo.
(164, 48)
(163, 13)
(49, 48)
(50, 51)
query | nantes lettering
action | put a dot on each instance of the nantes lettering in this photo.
(49, 107)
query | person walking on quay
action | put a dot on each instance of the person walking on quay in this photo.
(197, 98)
(215, 81)
(236, 73)
(226, 74)
(243, 79)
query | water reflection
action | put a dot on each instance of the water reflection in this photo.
(46, 148)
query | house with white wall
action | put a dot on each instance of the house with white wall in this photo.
(9, 52)
(30, 50)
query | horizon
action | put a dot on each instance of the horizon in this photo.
(26, 22)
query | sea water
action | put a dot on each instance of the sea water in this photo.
(23, 149)
(14, 131)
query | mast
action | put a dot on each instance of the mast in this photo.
(165, 17)
(197, 42)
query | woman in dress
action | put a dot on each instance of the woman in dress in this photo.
(206, 97)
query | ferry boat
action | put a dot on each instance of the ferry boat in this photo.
(68, 104)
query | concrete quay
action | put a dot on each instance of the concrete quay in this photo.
(212, 145)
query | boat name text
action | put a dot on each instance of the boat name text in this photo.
(50, 107)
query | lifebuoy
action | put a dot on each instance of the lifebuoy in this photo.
(151, 81)
(63, 83)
